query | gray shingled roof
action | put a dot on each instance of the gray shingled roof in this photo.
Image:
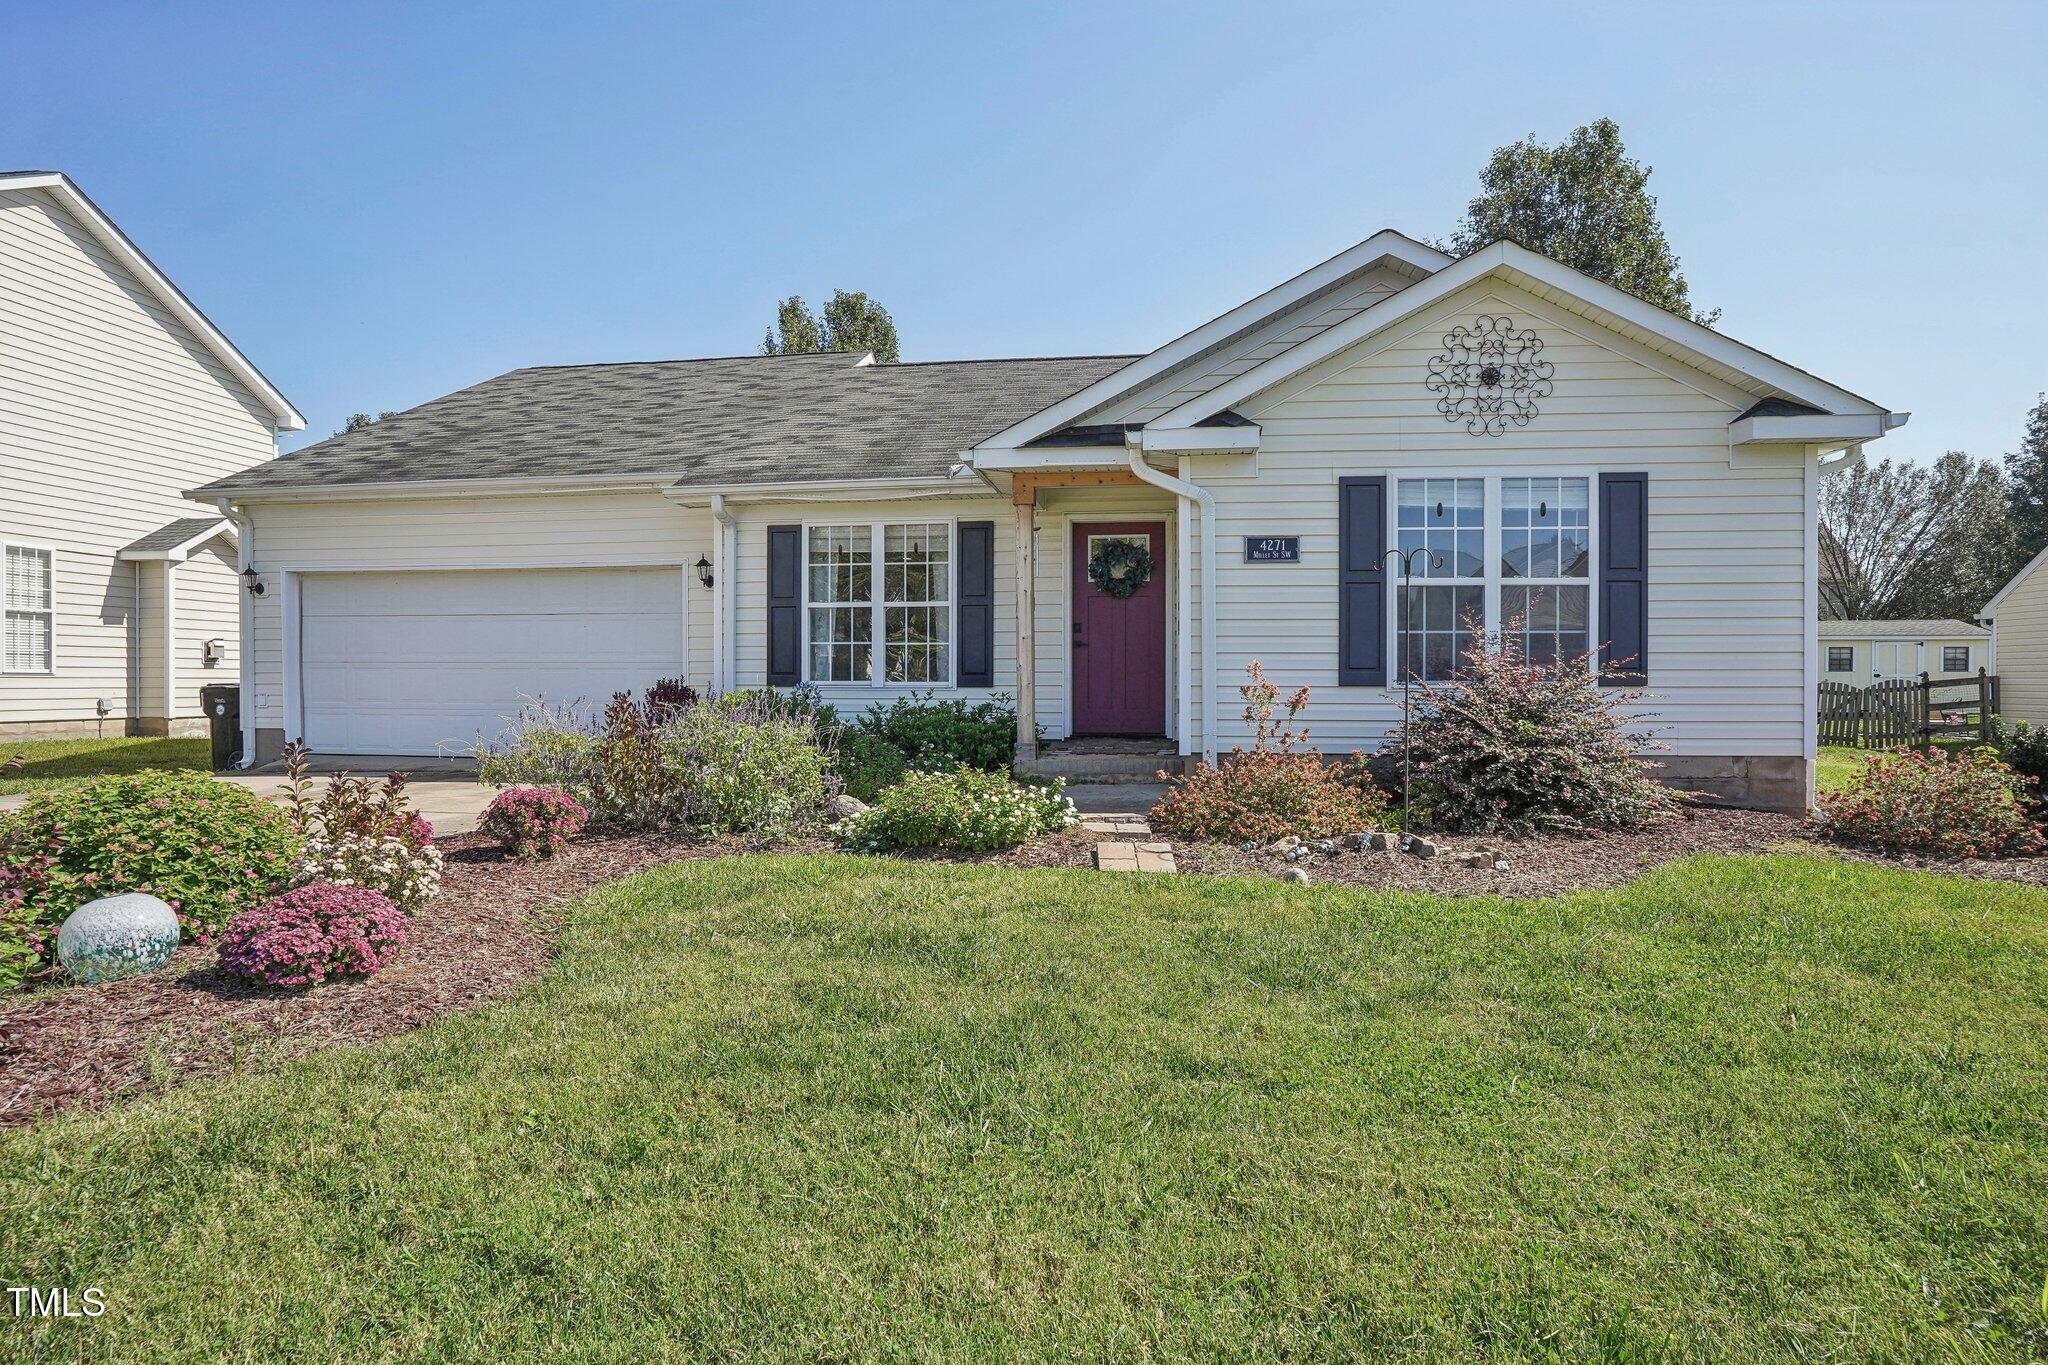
(1899, 630)
(748, 419)
(172, 534)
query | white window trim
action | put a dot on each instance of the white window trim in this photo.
(1966, 659)
(877, 681)
(1491, 545)
(51, 611)
(1828, 658)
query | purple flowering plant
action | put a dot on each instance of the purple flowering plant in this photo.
(533, 822)
(313, 933)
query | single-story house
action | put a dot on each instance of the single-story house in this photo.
(116, 396)
(1863, 652)
(1109, 539)
(2018, 617)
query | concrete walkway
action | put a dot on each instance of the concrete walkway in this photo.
(444, 791)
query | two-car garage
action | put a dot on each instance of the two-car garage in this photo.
(431, 662)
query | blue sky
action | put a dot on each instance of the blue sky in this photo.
(384, 203)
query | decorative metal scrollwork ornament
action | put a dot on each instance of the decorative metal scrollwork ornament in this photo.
(1489, 375)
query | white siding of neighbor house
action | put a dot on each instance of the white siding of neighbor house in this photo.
(2021, 628)
(206, 594)
(1284, 332)
(1859, 674)
(109, 408)
(1727, 625)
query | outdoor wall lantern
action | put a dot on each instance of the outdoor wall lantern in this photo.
(252, 582)
(703, 567)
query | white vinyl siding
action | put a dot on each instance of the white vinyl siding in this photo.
(109, 409)
(555, 530)
(1727, 611)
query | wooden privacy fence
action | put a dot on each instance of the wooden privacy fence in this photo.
(1908, 711)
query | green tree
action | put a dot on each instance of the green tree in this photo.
(358, 420)
(1910, 540)
(2026, 471)
(851, 321)
(796, 331)
(1585, 203)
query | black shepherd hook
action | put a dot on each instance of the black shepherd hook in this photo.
(1407, 558)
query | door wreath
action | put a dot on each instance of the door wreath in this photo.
(1120, 567)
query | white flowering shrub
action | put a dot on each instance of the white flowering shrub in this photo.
(965, 809)
(404, 872)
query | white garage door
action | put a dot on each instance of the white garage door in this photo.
(428, 663)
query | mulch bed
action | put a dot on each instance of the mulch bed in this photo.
(491, 929)
(487, 932)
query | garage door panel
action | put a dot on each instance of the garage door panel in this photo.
(423, 663)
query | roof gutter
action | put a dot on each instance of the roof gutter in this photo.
(1195, 494)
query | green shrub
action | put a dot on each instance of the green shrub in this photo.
(1273, 789)
(744, 763)
(1514, 747)
(865, 763)
(207, 848)
(965, 809)
(2023, 748)
(1967, 805)
(936, 736)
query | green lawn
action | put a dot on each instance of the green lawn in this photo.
(67, 762)
(1836, 764)
(820, 1108)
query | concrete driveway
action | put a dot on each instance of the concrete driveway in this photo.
(444, 790)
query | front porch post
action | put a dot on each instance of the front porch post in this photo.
(1025, 498)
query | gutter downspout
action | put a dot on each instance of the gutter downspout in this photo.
(245, 648)
(724, 553)
(1193, 492)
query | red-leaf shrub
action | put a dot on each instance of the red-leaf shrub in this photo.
(668, 694)
(1514, 747)
(315, 932)
(1929, 801)
(533, 822)
(1273, 789)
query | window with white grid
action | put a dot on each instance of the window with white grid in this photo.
(917, 598)
(1546, 547)
(1511, 554)
(31, 610)
(894, 626)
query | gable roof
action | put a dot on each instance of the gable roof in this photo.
(2026, 571)
(177, 539)
(695, 423)
(58, 186)
(1703, 347)
(1415, 258)
(1900, 630)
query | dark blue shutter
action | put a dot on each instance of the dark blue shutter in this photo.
(975, 603)
(1362, 581)
(1625, 580)
(785, 605)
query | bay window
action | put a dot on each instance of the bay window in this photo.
(1504, 553)
(910, 600)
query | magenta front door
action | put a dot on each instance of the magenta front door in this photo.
(1119, 642)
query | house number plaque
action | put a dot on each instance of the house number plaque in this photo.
(1272, 549)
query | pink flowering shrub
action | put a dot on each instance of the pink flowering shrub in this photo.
(312, 933)
(1929, 801)
(533, 822)
(1514, 747)
(207, 848)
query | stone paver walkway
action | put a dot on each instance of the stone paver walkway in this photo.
(1135, 854)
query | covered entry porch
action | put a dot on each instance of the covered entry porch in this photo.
(1103, 564)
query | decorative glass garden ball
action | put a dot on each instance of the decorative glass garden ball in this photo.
(117, 936)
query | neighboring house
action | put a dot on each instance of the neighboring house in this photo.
(1610, 476)
(1863, 652)
(116, 395)
(2018, 617)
